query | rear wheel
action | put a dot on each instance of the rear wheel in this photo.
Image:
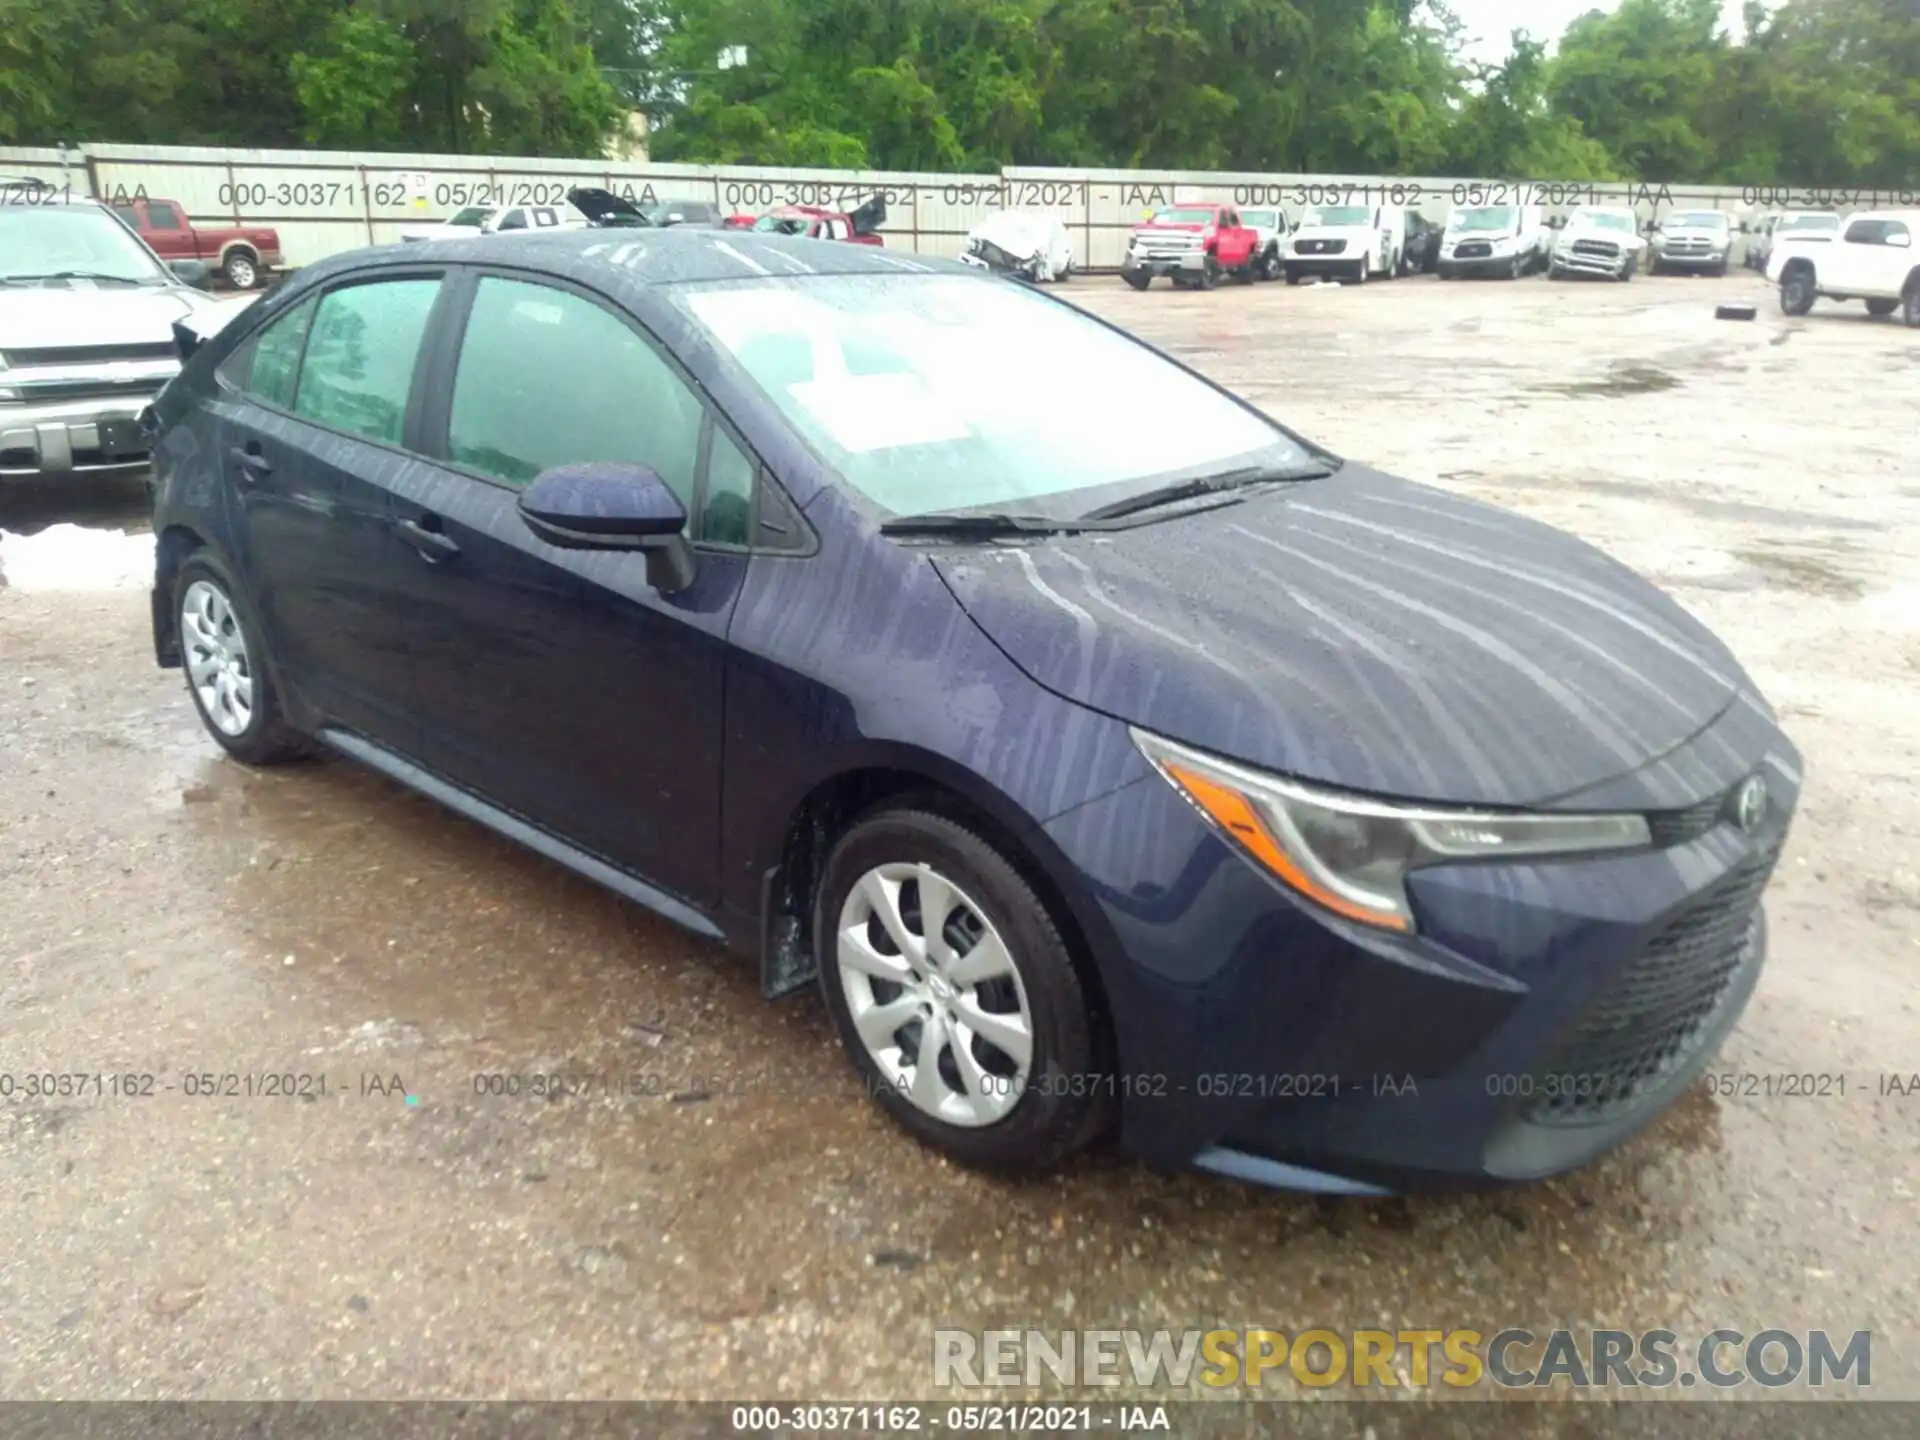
(1910, 304)
(1880, 307)
(955, 995)
(241, 271)
(223, 654)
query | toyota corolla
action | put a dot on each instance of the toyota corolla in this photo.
(1113, 759)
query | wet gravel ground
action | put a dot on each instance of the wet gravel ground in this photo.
(723, 1214)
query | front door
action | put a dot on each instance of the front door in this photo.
(558, 684)
(313, 411)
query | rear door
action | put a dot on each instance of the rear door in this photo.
(316, 409)
(558, 683)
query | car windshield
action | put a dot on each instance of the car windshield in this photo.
(1601, 220)
(1184, 215)
(1482, 217)
(1259, 219)
(1811, 222)
(1699, 219)
(43, 240)
(472, 215)
(1336, 215)
(915, 388)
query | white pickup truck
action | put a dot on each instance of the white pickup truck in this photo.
(1875, 258)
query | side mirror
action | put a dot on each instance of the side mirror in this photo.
(192, 272)
(606, 505)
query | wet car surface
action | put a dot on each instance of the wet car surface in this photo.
(711, 1207)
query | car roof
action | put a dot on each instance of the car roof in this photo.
(619, 257)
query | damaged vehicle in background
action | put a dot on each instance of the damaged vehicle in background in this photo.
(1030, 244)
(1270, 230)
(1505, 241)
(1697, 241)
(1601, 240)
(1096, 749)
(1346, 242)
(860, 226)
(1813, 225)
(87, 333)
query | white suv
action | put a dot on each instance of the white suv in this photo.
(1875, 258)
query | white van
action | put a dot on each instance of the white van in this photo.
(1346, 242)
(1506, 240)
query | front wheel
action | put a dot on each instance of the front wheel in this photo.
(1797, 292)
(223, 654)
(1138, 280)
(1209, 274)
(1293, 274)
(1910, 305)
(1360, 272)
(955, 995)
(1882, 307)
(1270, 267)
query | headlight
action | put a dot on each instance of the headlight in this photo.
(1351, 853)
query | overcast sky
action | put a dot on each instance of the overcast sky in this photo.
(1490, 22)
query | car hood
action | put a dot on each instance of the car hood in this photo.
(82, 314)
(1330, 232)
(1023, 236)
(1365, 632)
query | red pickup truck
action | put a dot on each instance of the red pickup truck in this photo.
(1193, 245)
(241, 254)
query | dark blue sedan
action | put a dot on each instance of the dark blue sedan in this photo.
(1113, 758)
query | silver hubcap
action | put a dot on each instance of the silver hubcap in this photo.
(241, 272)
(935, 995)
(218, 666)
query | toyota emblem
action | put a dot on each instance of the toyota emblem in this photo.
(1750, 804)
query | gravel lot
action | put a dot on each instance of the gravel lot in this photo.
(744, 1224)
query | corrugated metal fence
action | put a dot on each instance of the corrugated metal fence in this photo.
(323, 202)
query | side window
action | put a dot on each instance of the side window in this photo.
(513, 220)
(128, 214)
(161, 216)
(1896, 234)
(275, 358)
(1866, 232)
(548, 378)
(727, 516)
(544, 218)
(359, 362)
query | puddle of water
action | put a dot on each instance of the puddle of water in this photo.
(1807, 573)
(1620, 380)
(75, 557)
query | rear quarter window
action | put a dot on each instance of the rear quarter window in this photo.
(360, 354)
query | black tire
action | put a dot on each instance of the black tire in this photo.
(1270, 266)
(1554, 272)
(241, 269)
(1881, 306)
(267, 738)
(1653, 265)
(1246, 274)
(1910, 304)
(1209, 274)
(1797, 290)
(1628, 270)
(1138, 282)
(1292, 274)
(1050, 1120)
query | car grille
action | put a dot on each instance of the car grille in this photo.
(90, 354)
(1648, 1020)
(1688, 247)
(1319, 247)
(1596, 249)
(1472, 250)
(1166, 244)
(1678, 827)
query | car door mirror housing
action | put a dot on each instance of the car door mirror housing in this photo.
(605, 505)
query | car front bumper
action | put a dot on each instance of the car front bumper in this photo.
(1501, 265)
(99, 436)
(1190, 262)
(1692, 260)
(1609, 266)
(1544, 1012)
(1338, 265)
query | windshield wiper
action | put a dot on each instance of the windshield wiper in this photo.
(94, 275)
(982, 525)
(1206, 485)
